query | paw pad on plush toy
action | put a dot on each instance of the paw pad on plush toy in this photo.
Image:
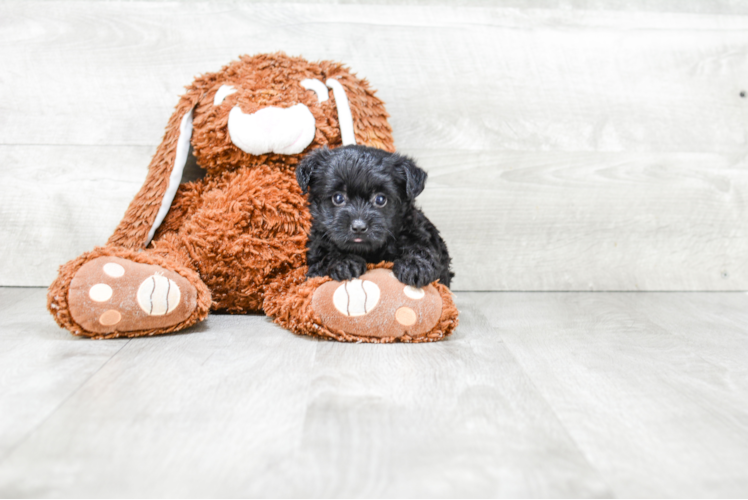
(158, 295)
(414, 293)
(184, 248)
(113, 270)
(356, 297)
(377, 305)
(110, 294)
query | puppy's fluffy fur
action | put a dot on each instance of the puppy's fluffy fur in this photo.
(362, 205)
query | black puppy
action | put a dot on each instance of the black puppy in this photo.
(362, 205)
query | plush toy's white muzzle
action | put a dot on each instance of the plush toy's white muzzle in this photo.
(286, 131)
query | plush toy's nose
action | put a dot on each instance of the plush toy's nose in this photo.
(359, 226)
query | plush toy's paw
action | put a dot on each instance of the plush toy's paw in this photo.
(378, 305)
(111, 294)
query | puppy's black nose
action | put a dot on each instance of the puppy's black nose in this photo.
(359, 226)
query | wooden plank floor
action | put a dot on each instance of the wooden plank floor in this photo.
(537, 394)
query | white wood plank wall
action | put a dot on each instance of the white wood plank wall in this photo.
(570, 146)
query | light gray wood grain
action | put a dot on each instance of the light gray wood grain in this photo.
(181, 415)
(10, 297)
(572, 145)
(453, 77)
(446, 420)
(537, 394)
(652, 387)
(512, 220)
(57, 202)
(242, 408)
(715, 328)
(679, 6)
(590, 221)
(40, 364)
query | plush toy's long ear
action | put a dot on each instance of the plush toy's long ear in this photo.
(306, 168)
(148, 209)
(370, 125)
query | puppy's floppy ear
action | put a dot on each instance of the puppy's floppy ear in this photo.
(309, 164)
(415, 177)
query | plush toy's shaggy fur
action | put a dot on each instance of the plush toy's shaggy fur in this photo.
(238, 235)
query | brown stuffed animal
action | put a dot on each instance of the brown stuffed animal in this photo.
(234, 240)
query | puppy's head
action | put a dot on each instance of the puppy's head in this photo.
(358, 195)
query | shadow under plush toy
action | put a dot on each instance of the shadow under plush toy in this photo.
(235, 240)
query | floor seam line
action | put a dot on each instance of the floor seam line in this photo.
(15, 447)
(605, 482)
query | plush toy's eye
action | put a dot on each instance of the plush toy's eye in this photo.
(380, 200)
(221, 93)
(338, 199)
(318, 87)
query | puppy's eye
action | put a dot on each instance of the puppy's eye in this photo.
(338, 199)
(380, 200)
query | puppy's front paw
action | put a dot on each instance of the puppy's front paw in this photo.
(317, 269)
(347, 268)
(415, 271)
